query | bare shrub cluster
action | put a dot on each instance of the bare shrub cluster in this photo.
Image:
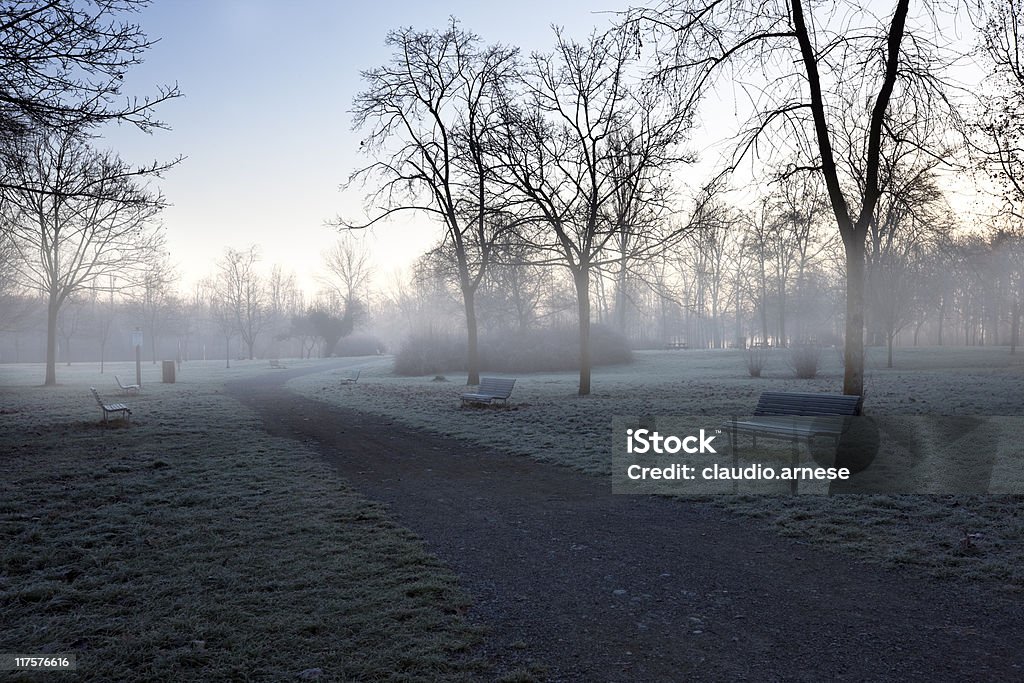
(804, 360)
(533, 351)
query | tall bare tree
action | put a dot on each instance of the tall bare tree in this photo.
(822, 79)
(425, 114)
(562, 146)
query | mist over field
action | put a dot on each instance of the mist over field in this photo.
(326, 337)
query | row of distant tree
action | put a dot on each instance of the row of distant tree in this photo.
(739, 279)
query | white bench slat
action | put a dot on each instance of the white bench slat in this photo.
(490, 389)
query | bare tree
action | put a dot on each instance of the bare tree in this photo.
(562, 147)
(427, 113)
(349, 268)
(821, 79)
(15, 305)
(64, 63)
(69, 320)
(242, 295)
(909, 217)
(103, 314)
(78, 217)
(1002, 102)
(154, 300)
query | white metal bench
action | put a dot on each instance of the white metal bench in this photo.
(111, 408)
(491, 389)
(351, 379)
(277, 365)
(127, 389)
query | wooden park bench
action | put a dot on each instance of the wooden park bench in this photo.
(277, 365)
(127, 389)
(111, 408)
(491, 389)
(351, 379)
(796, 417)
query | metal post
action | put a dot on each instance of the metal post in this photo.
(137, 343)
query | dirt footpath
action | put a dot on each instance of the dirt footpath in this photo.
(602, 587)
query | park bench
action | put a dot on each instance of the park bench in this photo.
(277, 365)
(111, 408)
(351, 379)
(127, 389)
(490, 389)
(797, 417)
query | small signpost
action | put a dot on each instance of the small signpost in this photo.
(137, 343)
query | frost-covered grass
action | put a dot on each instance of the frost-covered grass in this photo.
(191, 546)
(548, 422)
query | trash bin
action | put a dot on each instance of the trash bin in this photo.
(168, 372)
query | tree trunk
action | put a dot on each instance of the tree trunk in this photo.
(853, 354)
(1015, 328)
(620, 297)
(764, 315)
(53, 307)
(472, 336)
(582, 282)
(942, 317)
(227, 352)
(782, 315)
(890, 337)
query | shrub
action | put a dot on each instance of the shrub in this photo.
(544, 350)
(430, 353)
(359, 345)
(804, 360)
(757, 358)
(552, 349)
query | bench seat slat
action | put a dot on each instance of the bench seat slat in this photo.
(799, 414)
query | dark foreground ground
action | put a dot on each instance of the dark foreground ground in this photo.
(575, 583)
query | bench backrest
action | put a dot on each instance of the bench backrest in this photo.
(97, 395)
(791, 403)
(493, 386)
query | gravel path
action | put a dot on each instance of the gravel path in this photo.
(600, 587)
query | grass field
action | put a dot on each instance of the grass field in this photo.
(191, 546)
(548, 422)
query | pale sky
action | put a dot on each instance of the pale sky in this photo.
(265, 124)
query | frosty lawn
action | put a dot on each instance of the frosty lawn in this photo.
(939, 534)
(191, 546)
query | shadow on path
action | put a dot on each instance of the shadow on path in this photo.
(610, 587)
